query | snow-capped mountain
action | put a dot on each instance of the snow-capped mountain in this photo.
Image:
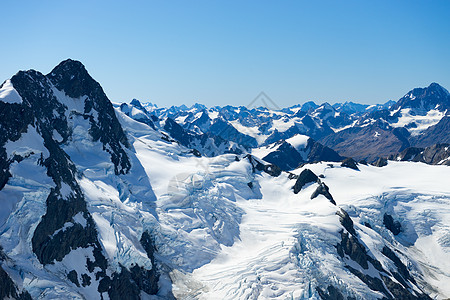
(353, 130)
(77, 208)
(132, 201)
(418, 119)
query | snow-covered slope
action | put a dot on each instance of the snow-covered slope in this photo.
(242, 233)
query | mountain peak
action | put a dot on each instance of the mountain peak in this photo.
(72, 63)
(309, 105)
(136, 102)
(198, 106)
(72, 77)
(437, 87)
(70, 66)
(424, 99)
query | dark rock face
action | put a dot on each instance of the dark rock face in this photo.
(286, 157)
(436, 154)
(151, 282)
(346, 221)
(331, 293)
(86, 280)
(394, 226)
(8, 290)
(73, 276)
(373, 283)
(323, 189)
(402, 269)
(227, 132)
(352, 248)
(39, 106)
(369, 142)
(36, 93)
(272, 170)
(122, 286)
(402, 292)
(196, 153)
(49, 246)
(319, 152)
(433, 155)
(305, 177)
(128, 284)
(381, 162)
(349, 163)
(178, 132)
(409, 154)
(146, 280)
(289, 158)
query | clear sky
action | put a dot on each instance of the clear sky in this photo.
(227, 52)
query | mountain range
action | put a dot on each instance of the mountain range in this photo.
(363, 132)
(103, 200)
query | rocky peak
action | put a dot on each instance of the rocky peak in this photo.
(198, 106)
(72, 77)
(436, 87)
(310, 105)
(136, 103)
(432, 97)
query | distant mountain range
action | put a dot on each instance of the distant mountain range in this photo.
(363, 132)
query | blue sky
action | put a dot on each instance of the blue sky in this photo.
(226, 52)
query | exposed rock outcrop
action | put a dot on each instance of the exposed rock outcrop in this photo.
(380, 162)
(349, 163)
(323, 189)
(393, 225)
(305, 177)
